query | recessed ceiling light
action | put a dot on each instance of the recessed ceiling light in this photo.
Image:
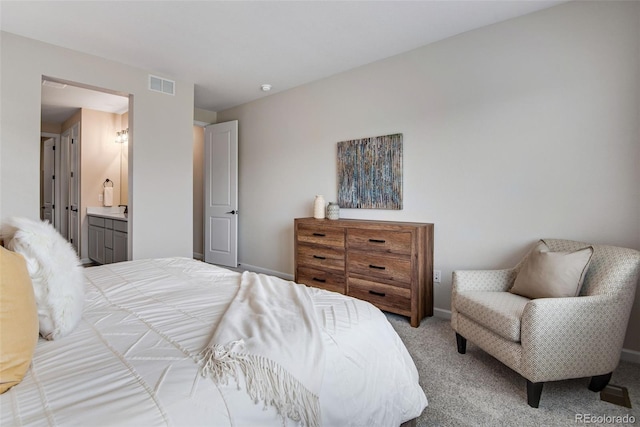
(265, 87)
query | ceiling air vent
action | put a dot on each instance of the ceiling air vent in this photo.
(158, 84)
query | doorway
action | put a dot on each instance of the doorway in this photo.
(221, 194)
(48, 144)
(79, 129)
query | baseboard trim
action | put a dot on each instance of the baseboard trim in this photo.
(199, 257)
(630, 356)
(256, 269)
(441, 313)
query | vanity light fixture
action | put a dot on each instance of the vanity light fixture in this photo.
(122, 136)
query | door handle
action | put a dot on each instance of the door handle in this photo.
(233, 212)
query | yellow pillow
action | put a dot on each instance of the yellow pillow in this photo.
(18, 319)
(547, 274)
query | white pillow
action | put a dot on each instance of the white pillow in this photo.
(55, 270)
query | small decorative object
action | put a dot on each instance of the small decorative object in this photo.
(318, 207)
(333, 211)
(370, 173)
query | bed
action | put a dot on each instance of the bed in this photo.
(135, 358)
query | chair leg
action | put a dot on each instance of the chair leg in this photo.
(599, 382)
(462, 343)
(534, 390)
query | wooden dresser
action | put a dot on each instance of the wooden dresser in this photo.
(389, 264)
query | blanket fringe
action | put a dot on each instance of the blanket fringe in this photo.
(265, 380)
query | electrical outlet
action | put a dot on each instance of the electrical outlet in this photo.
(437, 275)
(99, 197)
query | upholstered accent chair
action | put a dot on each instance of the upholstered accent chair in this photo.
(556, 338)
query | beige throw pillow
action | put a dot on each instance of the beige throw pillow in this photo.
(547, 274)
(18, 319)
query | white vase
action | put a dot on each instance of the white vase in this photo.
(318, 207)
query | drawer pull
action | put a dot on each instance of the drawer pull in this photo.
(315, 279)
(376, 240)
(377, 267)
(380, 294)
(319, 257)
(319, 234)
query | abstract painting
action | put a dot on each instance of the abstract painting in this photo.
(370, 173)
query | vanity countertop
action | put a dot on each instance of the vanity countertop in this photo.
(116, 213)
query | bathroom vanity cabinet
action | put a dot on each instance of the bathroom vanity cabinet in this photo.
(107, 240)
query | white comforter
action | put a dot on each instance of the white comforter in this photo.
(132, 359)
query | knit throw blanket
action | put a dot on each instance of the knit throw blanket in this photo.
(271, 335)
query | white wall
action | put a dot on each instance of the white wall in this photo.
(100, 159)
(204, 116)
(161, 141)
(525, 129)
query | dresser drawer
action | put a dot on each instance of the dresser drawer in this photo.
(321, 257)
(393, 270)
(321, 279)
(317, 235)
(385, 297)
(393, 242)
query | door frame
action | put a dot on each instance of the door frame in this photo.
(82, 103)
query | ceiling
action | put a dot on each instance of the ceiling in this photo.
(230, 48)
(59, 102)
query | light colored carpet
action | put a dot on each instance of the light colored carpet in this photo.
(476, 389)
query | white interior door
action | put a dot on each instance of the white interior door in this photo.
(63, 173)
(74, 188)
(69, 186)
(221, 194)
(48, 180)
